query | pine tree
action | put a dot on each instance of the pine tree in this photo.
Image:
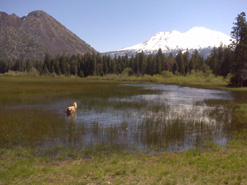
(212, 60)
(186, 61)
(239, 44)
(62, 64)
(174, 68)
(3, 66)
(105, 65)
(226, 66)
(170, 62)
(193, 62)
(149, 65)
(159, 60)
(144, 65)
(29, 65)
(180, 62)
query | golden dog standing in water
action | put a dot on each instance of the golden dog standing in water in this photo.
(71, 109)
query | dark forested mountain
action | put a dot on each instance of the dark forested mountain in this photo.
(35, 35)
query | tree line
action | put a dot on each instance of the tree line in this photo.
(223, 61)
(96, 64)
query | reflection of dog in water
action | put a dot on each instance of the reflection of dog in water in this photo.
(71, 110)
(71, 114)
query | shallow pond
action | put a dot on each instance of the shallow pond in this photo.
(159, 118)
(172, 119)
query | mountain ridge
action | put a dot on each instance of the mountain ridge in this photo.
(199, 38)
(35, 35)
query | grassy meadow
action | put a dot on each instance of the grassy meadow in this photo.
(194, 78)
(25, 122)
(212, 165)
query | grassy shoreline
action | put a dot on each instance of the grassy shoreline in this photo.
(195, 79)
(213, 165)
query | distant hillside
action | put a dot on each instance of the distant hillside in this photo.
(35, 35)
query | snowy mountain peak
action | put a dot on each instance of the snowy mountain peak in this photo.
(199, 38)
(195, 38)
(197, 29)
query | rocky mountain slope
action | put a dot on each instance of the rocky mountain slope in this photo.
(35, 35)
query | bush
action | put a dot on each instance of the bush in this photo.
(208, 73)
(166, 74)
(32, 72)
(128, 71)
(229, 77)
(147, 78)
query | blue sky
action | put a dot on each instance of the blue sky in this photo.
(113, 24)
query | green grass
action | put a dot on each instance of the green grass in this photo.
(28, 127)
(34, 90)
(195, 78)
(213, 165)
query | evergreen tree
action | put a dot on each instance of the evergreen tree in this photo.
(239, 44)
(170, 63)
(73, 67)
(3, 66)
(153, 66)
(45, 70)
(174, 68)
(186, 61)
(212, 60)
(105, 64)
(180, 62)
(159, 60)
(126, 61)
(57, 67)
(62, 64)
(29, 65)
(149, 65)
(144, 65)
(193, 65)
(112, 66)
(136, 62)
(226, 66)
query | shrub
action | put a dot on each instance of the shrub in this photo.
(166, 74)
(128, 71)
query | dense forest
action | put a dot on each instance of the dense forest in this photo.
(223, 61)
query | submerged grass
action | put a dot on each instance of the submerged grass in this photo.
(28, 127)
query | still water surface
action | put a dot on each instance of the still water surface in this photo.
(174, 118)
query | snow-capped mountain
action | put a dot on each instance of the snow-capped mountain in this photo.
(199, 38)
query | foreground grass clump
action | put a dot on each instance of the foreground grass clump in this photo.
(29, 127)
(213, 165)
